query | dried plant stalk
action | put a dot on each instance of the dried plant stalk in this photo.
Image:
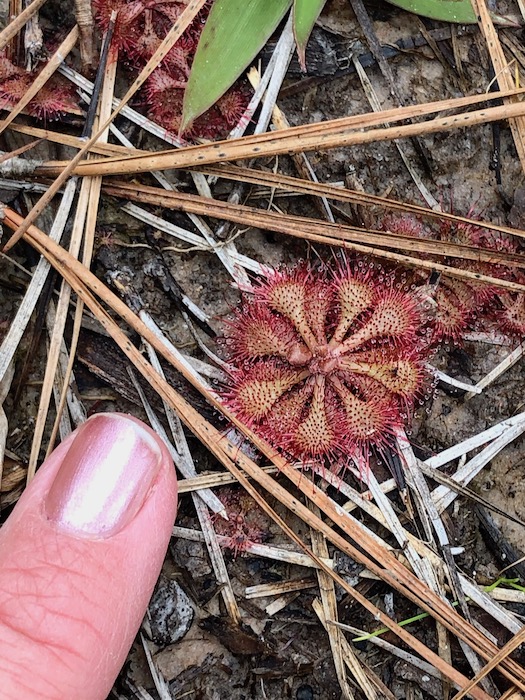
(27, 306)
(14, 27)
(318, 137)
(260, 550)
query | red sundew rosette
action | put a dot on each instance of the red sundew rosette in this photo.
(327, 363)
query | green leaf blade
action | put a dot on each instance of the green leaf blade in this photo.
(305, 14)
(234, 33)
(459, 11)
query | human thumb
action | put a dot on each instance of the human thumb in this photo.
(79, 557)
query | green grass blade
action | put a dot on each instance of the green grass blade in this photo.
(234, 33)
(444, 10)
(305, 13)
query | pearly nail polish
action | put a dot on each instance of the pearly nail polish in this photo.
(105, 476)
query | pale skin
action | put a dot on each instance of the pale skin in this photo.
(71, 605)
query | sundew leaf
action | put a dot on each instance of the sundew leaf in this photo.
(305, 13)
(235, 31)
(460, 11)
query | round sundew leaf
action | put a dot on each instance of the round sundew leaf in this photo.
(318, 305)
(400, 375)
(256, 332)
(305, 13)
(396, 316)
(288, 297)
(355, 297)
(234, 33)
(286, 414)
(513, 314)
(317, 433)
(367, 420)
(451, 316)
(260, 387)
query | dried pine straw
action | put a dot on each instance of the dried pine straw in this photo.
(347, 131)
(286, 183)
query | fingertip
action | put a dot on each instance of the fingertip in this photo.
(80, 555)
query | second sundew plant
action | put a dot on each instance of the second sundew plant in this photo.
(139, 29)
(328, 361)
(463, 305)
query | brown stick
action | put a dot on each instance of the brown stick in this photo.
(18, 22)
(313, 137)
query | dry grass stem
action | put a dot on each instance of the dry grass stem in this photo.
(27, 305)
(84, 18)
(443, 496)
(402, 149)
(62, 311)
(179, 449)
(320, 136)
(82, 232)
(18, 22)
(88, 237)
(301, 162)
(472, 443)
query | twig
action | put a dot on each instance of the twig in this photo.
(325, 135)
